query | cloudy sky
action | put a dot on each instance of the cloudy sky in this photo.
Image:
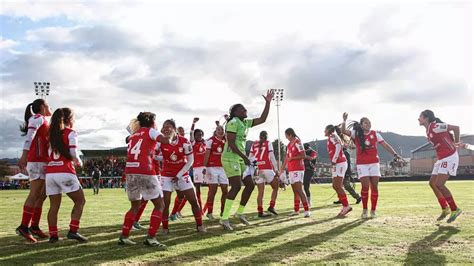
(109, 60)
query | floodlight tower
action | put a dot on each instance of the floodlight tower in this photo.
(42, 89)
(278, 98)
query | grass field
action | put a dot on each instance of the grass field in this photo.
(404, 232)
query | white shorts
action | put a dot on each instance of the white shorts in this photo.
(36, 170)
(264, 176)
(57, 183)
(216, 175)
(171, 184)
(198, 176)
(372, 169)
(296, 176)
(448, 165)
(339, 169)
(145, 187)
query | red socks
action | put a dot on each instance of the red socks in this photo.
(210, 207)
(74, 226)
(443, 203)
(53, 231)
(260, 209)
(305, 206)
(165, 221)
(451, 203)
(177, 203)
(128, 223)
(374, 196)
(141, 210)
(343, 199)
(155, 221)
(272, 204)
(181, 206)
(198, 219)
(365, 197)
(35, 220)
(27, 215)
(297, 205)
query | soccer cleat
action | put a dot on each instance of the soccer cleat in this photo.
(152, 242)
(53, 239)
(454, 215)
(373, 214)
(24, 232)
(125, 241)
(77, 236)
(242, 218)
(307, 214)
(210, 217)
(263, 215)
(137, 226)
(226, 225)
(35, 230)
(446, 211)
(201, 229)
(294, 213)
(272, 210)
(165, 231)
(337, 202)
(345, 211)
(365, 214)
(173, 217)
(358, 200)
(179, 215)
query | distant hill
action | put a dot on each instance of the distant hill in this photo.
(402, 144)
(10, 161)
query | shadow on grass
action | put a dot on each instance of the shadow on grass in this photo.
(287, 250)
(247, 241)
(421, 252)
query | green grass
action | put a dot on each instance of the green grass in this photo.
(404, 232)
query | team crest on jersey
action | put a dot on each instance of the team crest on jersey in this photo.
(173, 157)
(367, 142)
(201, 149)
(180, 149)
(431, 135)
(371, 136)
(219, 149)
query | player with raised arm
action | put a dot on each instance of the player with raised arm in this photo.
(34, 160)
(196, 136)
(177, 160)
(213, 170)
(367, 161)
(339, 166)
(444, 143)
(141, 178)
(294, 159)
(234, 159)
(61, 173)
(262, 151)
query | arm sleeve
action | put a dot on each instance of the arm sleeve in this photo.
(188, 148)
(336, 154)
(187, 166)
(440, 127)
(73, 146)
(248, 123)
(154, 134)
(231, 126)
(33, 125)
(353, 134)
(208, 144)
(379, 138)
(299, 146)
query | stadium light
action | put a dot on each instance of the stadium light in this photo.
(42, 89)
(278, 98)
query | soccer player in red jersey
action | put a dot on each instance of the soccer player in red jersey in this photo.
(177, 160)
(215, 174)
(439, 136)
(367, 161)
(262, 151)
(339, 166)
(199, 150)
(295, 161)
(142, 181)
(34, 159)
(61, 174)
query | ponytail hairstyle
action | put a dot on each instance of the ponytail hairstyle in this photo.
(61, 117)
(431, 116)
(31, 109)
(232, 110)
(343, 137)
(290, 131)
(263, 134)
(146, 119)
(330, 128)
(357, 126)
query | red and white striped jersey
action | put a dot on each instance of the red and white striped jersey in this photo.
(336, 155)
(141, 150)
(216, 146)
(370, 154)
(36, 142)
(262, 154)
(174, 156)
(199, 150)
(58, 163)
(294, 148)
